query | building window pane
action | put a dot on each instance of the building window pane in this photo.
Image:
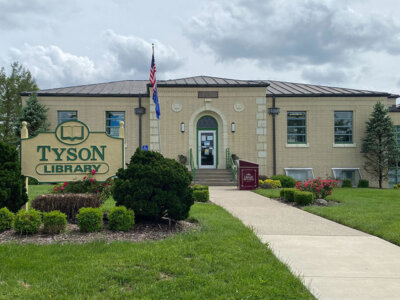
(66, 115)
(347, 173)
(296, 127)
(113, 118)
(300, 174)
(343, 127)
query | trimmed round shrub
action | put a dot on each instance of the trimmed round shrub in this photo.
(121, 219)
(288, 194)
(282, 193)
(27, 222)
(199, 187)
(303, 198)
(363, 183)
(201, 195)
(54, 222)
(346, 183)
(6, 219)
(154, 187)
(90, 219)
(286, 181)
(12, 183)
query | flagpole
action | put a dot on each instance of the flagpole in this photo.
(158, 119)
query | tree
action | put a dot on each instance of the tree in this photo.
(379, 146)
(12, 183)
(35, 114)
(11, 86)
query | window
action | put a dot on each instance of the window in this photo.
(343, 127)
(67, 115)
(347, 173)
(296, 127)
(113, 118)
(300, 174)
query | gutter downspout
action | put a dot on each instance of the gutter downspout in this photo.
(273, 139)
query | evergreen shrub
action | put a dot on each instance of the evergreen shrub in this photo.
(27, 222)
(282, 193)
(90, 219)
(70, 204)
(54, 222)
(121, 219)
(303, 198)
(201, 195)
(6, 219)
(12, 183)
(363, 183)
(286, 181)
(346, 183)
(288, 194)
(154, 187)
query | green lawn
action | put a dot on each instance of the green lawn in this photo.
(270, 193)
(370, 210)
(223, 259)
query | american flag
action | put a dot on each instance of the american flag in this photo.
(153, 82)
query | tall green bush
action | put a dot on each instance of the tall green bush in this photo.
(286, 181)
(154, 186)
(12, 183)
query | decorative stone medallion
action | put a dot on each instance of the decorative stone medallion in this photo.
(176, 107)
(238, 106)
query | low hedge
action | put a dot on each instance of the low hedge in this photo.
(363, 183)
(269, 184)
(303, 198)
(121, 219)
(68, 204)
(54, 222)
(199, 187)
(90, 219)
(346, 183)
(201, 195)
(6, 219)
(288, 194)
(27, 222)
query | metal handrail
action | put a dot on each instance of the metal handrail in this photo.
(192, 165)
(230, 164)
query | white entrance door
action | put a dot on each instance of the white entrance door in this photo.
(207, 151)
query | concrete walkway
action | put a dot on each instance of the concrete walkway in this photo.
(334, 261)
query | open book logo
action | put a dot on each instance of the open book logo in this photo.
(72, 132)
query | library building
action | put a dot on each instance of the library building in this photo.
(301, 130)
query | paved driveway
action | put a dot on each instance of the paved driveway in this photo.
(334, 261)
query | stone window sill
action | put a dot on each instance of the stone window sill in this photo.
(344, 145)
(297, 145)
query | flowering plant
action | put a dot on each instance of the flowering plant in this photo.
(87, 185)
(321, 188)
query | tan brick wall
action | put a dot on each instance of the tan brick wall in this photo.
(320, 153)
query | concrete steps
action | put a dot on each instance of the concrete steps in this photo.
(214, 177)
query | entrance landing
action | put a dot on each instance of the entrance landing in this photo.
(334, 261)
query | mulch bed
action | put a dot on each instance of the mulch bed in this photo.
(140, 232)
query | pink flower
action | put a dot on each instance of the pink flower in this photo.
(65, 183)
(84, 178)
(62, 188)
(93, 172)
(91, 179)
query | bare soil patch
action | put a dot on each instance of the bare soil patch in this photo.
(140, 232)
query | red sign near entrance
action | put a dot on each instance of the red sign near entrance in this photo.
(247, 175)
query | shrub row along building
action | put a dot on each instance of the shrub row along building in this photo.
(302, 130)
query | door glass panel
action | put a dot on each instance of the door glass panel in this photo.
(207, 151)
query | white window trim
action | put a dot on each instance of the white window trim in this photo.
(354, 145)
(298, 145)
(358, 169)
(306, 169)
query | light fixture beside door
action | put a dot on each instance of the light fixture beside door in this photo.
(233, 127)
(182, 127)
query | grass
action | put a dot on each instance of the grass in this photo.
(270, 193)
(222, 259)
(370, 210)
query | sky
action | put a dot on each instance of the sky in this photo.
(343, 43)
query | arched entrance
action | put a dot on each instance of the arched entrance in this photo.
(207, 142)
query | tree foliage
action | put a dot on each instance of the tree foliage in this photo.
(11, 86)
(12, 183)
(35, 114)
(379, 146)
(154, 186)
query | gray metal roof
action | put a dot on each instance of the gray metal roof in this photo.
(134, 88)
